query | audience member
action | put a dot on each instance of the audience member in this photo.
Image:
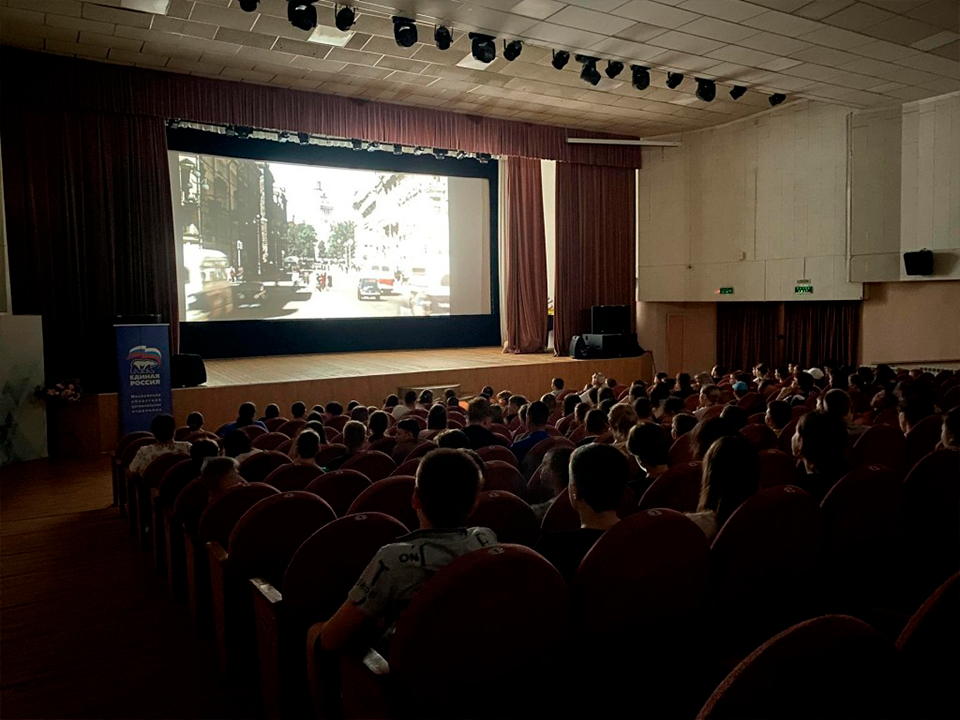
(487, 392)
(354, 437)
(648, 446)
(683, 388)
(270, 412)
(708, 432)
(537, 416)
(644, 410)
(448, 484)
(837, 402)
(308, 445)
(550, 401)
(820, 441)
(556, 386)
(237, 445)
(449, 393)
(437, 418)
(579, 416)
(318, 428)
(598, 479)
(245, 416)
(333, 409)
(408, 430)
(703, 379)
(513, 407)
(503, 399)
(606, 405)
(912, 409)
(740, 389)
(361, 414)
(799, 392)
(351, 405)
(195, 421)
(622, 420)
(163, 428)
(379, 424)
(453, 438)
(425, 400)
(201, 450)
(736, 416)
(778, 416)
(315, 416)
(453, 401)
(682, 424)
(709, 397)
(478, 425)
(554, 478)
(671, 406)
(298, 410)
(409, 403)
(731, 474)
(219, 475)
(596, 424)
(390, 403)
(950, 434)
(570, 404)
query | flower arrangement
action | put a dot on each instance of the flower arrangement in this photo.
(63, 390)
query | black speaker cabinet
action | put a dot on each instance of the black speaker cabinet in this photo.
(187, 371)
(609, 319)
(919, 262)
(612, 345)
(578, 348)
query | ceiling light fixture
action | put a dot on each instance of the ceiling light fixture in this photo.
(777, 98)
(344, 18)
(641, 77)
(404, 32)
(706, 90)
(302, 14)
(737, 92)
(560, 59)
(674, 80)
(443, 37)
(589, 72)
(483, 48)
(614, 68)
(512, 49)
(249, 5)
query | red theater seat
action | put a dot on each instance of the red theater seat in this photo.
(287, 478)
(391, 496)
(510, 518)
(384, 445)
(274, 424)
(141, 486)
(291, 427)
(374, 464)
(337, 422)
(256, 467)
(535, 455)
(677, 489)
(407, 467)
(922, 439)
(682, 450)
(339, 488)
(498, 452)
(881, 445)
(499, 475)
(762, 437)
(776, 468)
(130, 444)
(253, 431)
(269, 441)
(330, 452)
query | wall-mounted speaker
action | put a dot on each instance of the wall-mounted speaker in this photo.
(919, 262)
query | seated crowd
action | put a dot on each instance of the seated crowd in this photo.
(618, 439)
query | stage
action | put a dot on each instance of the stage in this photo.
(368, 377)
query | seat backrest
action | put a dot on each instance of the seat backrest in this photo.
(834, 666)
(339, 488)
(646, 576)
(175, 480)
(757, 418)
(328, 563)
(861, 516)
(951, 398)
(500, 475)
(677, 489)
(221, 516)
(202, 435)
(131, 448)
(181, 432)
(887, 416)
(256, 467)
(922, 439)
(158, 468)
(407, 467)
(384, 445)
(289, 477)
(762, 437)
(337, 422)
(286, 446)
(578, 434)
(764, 564)
(374, 464)
(682, 450)
(535, 455)
(930, 650)
(274, 424)
(330, 433)
(503, 607)
(785, 441)
(456, 421)
(498, 452)
(881, 445)
(560, 516)
(125, 441)
(253, 431)
(692, 402)
(776, 468)
(269, 440)
(501, 430)
(392, 496)
(749, 402)
(420, 450)
(510, 518)
(268, 535)
(190, 504)
(712, 412)
(330, 452)
(291, 427)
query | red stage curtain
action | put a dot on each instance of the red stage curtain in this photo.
(747, 334)
(72, 83)
(526, 259)
(819, 331)
(90, 228)
(596, 245)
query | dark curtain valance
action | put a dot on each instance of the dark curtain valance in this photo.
(44, 79)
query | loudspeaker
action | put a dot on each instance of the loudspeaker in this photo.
(187, 371)
(609, 319)
(919, 262)
(578, 348)
(612, 345)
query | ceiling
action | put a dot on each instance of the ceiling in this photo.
(859, 54)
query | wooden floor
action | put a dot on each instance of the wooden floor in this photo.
(86, 629)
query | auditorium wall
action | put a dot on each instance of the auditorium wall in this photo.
(915, 322)
(755, 205)
(681, 336)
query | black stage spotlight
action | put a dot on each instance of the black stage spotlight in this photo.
(345, 18)
(674, 80)
(461, 154)
(614, 68)
(249, 5)
(303, 138)
(398, 149)
(404, 31)
(777, 98)
(641, 77)
(302, 14)
(706, 90)
(483, 47)
(284, 137)
(589, 72)
(439, 153)
(242, 131)
(443, 37)
(560, 59)
(418, 150)
(373, 147)
(512, 50)
(483, 158)
(357, 144)
(737, 92)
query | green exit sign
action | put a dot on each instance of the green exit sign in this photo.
(725, 291)
(803, 290)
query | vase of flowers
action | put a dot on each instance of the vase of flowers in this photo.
(63, 416)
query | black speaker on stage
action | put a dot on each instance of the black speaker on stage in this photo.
(578, 348)
(919, 262)
(187, 371)
(609, 319)
(612, 345)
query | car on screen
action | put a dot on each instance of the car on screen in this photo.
(429, 297)
(368, 288)
(384, 275)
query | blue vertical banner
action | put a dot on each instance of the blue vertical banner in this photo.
(143, 363)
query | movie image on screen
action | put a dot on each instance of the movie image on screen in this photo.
(263, 240)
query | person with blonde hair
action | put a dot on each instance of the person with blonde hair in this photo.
(622, 419)
(731, 474)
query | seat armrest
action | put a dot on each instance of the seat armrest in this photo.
(376, 663)
(365, 684)
(270, 625)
